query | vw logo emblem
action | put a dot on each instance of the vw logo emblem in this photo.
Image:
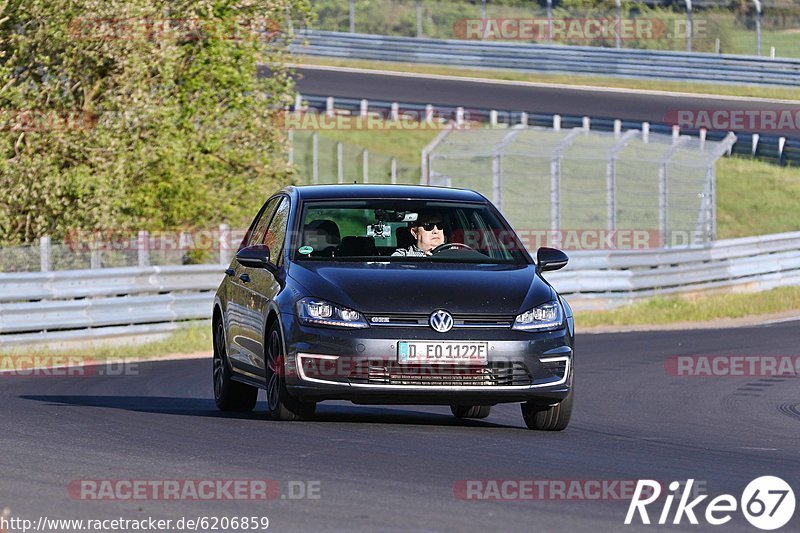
(441, 321)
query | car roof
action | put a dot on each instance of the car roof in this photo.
(367, 191)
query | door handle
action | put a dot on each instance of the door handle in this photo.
(245, 278)
(230, 271)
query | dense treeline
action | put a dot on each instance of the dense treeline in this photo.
(139, 113)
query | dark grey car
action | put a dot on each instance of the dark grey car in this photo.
(316, 307)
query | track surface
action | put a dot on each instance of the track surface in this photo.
(394, 468)
(470, 94)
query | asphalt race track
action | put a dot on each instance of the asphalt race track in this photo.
(472, 94)
(395, 468)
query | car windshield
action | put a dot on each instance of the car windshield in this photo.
(405, 230)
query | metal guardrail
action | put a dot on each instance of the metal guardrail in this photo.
(107, 303)
(661, 65)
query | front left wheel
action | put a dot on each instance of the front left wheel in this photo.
(229, 395)
(281, 404)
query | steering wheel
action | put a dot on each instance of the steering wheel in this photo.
(452, 246)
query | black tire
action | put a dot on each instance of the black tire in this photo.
(280, 404)
(548, 418)
(471, 411)
(229, 395)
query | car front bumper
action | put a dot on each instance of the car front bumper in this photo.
(362, 366)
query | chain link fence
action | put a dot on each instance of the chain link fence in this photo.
(554, 180)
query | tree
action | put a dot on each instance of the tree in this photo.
(132, 114)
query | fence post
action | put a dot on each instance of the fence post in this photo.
(45, 254)
(94, 259)
(557, 122)
(523, 118)
(314, 158)
(617, 128)
(364, 108)
(143, 247)
(618, 23)
(395, 113)
(758, 26)
(586, 123)
(645, 132)
(225, 245)
(754, 147)
(365, 165)
(493, 118)
(394, 170)
(419, 18)
(339, 163)
(329, 106)
(352, 16)
(290, 135)
(555, 186)
(688, 25)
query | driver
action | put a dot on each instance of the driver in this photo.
(428, 230)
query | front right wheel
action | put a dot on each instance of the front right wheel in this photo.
(548, 418)
(281, 404)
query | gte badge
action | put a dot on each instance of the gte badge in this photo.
(767, 503)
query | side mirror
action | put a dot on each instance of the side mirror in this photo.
(550, 259)
(256, 256)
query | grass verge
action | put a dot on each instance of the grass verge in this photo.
(675, 309)
(564, 79)
(192, 339)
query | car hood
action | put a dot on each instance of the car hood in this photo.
(422, 287)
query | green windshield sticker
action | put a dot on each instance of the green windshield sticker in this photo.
(305, 250)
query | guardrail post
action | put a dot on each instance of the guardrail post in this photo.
(314, 157)
(365, 165)
(395, 112)
(225, 245)
(143, 247)
(329, 106)
(586, 123)
(364, 108)
(703, 134)
(617, 128)
(676, 133)
(428, 113)
(339, 163)
(493, 118)
(45, 255)
(459, 117)
(645, 132)
(523, 118)
(557, 122)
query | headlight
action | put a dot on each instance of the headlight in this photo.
(546, 316)
(321, 313)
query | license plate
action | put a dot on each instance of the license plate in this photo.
(442, 352)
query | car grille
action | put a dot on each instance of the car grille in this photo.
(491, 375)
(462, 320)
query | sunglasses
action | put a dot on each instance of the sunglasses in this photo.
(428, 226)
